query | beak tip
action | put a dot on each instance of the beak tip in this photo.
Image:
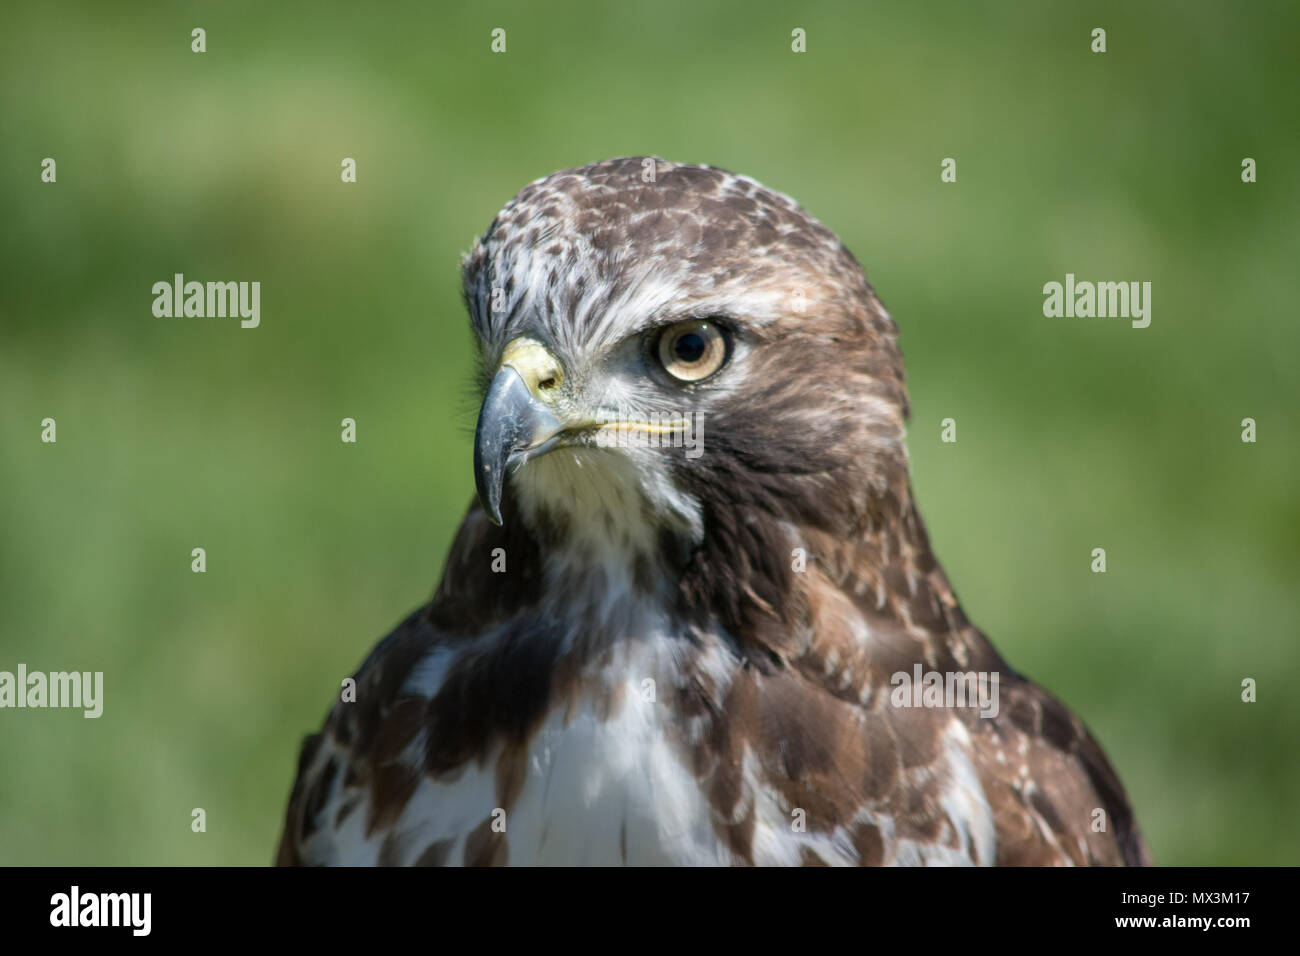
(510, 421)
(489, 494)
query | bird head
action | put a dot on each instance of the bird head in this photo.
(674, 353)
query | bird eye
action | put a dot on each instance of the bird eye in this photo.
(693, 350)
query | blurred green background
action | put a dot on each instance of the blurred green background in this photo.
(1072, 434)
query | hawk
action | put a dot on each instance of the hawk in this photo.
(680, 623)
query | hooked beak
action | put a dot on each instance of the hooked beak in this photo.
(515, 422)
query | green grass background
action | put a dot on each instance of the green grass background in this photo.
(175, 434)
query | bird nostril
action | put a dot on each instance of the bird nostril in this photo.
(548, 383)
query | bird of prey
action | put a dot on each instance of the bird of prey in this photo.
(679, 624)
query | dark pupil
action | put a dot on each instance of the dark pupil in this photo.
(690, 347)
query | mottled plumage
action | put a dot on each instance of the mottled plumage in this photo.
(688, 660)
